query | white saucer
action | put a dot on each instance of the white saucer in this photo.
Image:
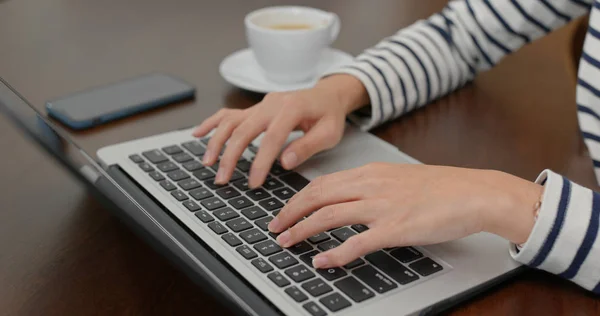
(241, 70)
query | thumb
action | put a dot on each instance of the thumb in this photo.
(324, 135)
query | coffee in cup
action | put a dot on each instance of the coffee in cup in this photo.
(288, 41)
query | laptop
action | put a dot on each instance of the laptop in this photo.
(218, 236)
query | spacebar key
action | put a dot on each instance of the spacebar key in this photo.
(295, 180)
(391, 267)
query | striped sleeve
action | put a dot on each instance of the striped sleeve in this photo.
(437, 55)
(564, 240)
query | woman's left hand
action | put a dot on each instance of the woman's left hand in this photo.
(407, 205)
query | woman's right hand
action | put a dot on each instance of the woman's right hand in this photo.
(319, 112)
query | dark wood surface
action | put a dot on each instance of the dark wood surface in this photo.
(63, 254)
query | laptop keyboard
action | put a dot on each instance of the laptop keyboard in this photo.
(240, 217)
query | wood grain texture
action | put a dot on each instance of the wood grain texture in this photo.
(63, 254)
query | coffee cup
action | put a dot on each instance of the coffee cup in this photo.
(288, 41)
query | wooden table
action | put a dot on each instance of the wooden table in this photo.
(62, 254)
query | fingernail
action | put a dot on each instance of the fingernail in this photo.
(290, 159)
(207, 157)
(220, 178)
(274, 225)
(320, 262)
(284, 238)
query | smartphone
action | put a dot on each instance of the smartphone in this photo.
(111, 102)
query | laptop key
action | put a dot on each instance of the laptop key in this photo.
(278, 279)
(314, 309)
(359, 228)
(271, 204)
(253, 236)
(231, 239)
(284, 193)
(212, 203)
(156, 176)
(246, 252)
(272, 184)
(343, 234)
(263, 223)
(354, 289)
(240, 202)
(203, 174)
(242, 184)
(239, 224)
(244, 165)
(210, 183)
(146, 167)
(167, 166)
(204, 216)
(276, 212)
(267, 248)
(183, 157)
(253, 212)
(296, 294)
(180, 196)
(316, 287)
(191, 205)
(332, 273)
(324, 246)
(167, 185)
(262, 265)
(426, 267)
(227, 193)
(217, 227)
(177, 175)
(300, 248)
(200, 194)
(236, 175)
(155, 156)
(225, 214)
(406, 254)
(391, 267)
(172, 150)
(193, 165)
(283, 260)
(189, 184)
(355, 263)
(320, 237)
(295, 180)
(335, 302)
(194, 147)
(299, 273)
(308, 257)
(258, 194)
(136, 158)
(277, 169)
(215, 166)
(374, 279)
(205, 140)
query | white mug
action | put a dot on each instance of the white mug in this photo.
(290, 55)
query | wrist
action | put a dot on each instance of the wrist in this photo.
(349, 92)
(515, 203)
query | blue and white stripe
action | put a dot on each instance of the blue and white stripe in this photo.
(440, 54)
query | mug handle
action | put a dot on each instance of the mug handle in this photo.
(335, 27)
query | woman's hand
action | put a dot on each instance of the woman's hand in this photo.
(320, 112)
(406, 205)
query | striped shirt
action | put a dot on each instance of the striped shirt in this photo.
(440, 54)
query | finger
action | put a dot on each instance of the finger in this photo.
(275, 136)
(240, 138)
(219, 138)
(209, 124)
(356, 246)
(333, 216)
(324, 135)
(335, 188)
